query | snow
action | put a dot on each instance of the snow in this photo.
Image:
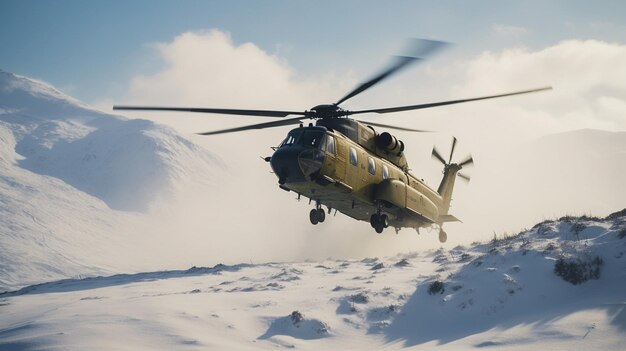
(74, 183)
(81, 193)
(105, 156)
(501, 294)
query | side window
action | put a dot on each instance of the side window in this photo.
(385, 172)
(371, 166)
(353, 159)
(330, 144)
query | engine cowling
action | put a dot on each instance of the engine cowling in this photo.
(389, 143)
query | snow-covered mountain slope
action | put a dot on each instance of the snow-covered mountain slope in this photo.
(75, 183)
(505, 294)
(125, 163)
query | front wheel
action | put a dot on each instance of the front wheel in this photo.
(379, 229)
(379, 222)
(313, 217)
(374, 220)
(384, 221)
(321, 215)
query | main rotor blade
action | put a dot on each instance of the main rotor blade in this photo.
(443, 103)
(393, 127)
(402, 61)
(438, 155)
(260, 113)
(468, 162)
(452, 150)
(279, 123)
(419, 49)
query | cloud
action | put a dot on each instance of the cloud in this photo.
(208, 68)
(588, 77)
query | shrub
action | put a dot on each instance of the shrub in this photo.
(590, 218)
(578, 271)
(436, 287)
(617, 215)
(360, 298)
(578, 227)
(545, 227)
(542, 230)
(296, 317)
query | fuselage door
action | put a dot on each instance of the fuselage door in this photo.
(341, 151)
(330, 162)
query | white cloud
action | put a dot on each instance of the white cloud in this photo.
(585, 75)
(207, 68)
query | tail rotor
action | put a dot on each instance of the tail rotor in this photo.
(469, 161)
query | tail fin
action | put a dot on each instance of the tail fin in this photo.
(447, 186)
(449, 176)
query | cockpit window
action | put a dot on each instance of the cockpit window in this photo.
(292, 137)
(330, 144)
(313, 138)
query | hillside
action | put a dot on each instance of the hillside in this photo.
(75, 183)
(501, 294)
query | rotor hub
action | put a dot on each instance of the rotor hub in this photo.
(326, 111)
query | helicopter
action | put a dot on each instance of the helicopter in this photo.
(349, 166)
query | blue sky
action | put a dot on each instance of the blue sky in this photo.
(91, 49)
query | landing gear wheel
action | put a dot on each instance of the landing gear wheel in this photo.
(384, 221)
(379, 222)
(313, 216)
(321, 215)
(374, 220)
(443, 236)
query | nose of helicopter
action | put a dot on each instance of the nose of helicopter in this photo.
(296, 164)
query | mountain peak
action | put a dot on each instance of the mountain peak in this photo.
(37, 98)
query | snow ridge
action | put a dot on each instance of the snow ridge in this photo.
(503, 293)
